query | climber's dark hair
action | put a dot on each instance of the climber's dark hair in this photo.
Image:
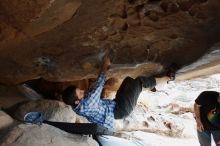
(69, 96)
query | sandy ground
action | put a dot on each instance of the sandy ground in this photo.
(157, 140)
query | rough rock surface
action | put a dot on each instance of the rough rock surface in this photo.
(64, 40)
(11, 95)
(52, 110)
(6, 124)
(5, 119)
(34, 135)
(204, 66)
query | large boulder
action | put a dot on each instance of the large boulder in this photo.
(44, 135)
(51, 109)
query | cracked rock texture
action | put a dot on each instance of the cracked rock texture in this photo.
(64, 40)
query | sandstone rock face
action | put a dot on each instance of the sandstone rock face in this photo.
(6, 124)
(34, 135)
(10, 96)
(52, 110)
(5, 119)
(64, 40)
(204, 66)
(81, 119)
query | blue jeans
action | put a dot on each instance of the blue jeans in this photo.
(205, 137)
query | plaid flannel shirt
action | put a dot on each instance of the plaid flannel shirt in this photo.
(94, 108)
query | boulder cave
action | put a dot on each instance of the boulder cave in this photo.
(48, 45)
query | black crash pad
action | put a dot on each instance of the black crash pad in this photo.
(81, 128)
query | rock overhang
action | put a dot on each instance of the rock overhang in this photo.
(64, 40)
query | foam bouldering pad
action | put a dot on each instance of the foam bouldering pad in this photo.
(82, 128)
